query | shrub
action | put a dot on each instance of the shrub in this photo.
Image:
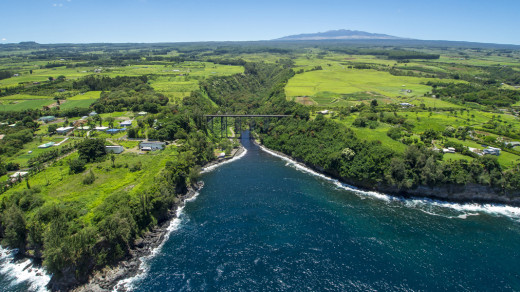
(77, 165)
(89, 178)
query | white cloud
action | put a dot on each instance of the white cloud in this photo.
(57, 5)
(54, 4)
(4, 39)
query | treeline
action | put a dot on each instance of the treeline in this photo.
(335, 149)
(485, 95)
(4, 74)
(393, 54)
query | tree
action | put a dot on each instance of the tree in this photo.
(91, 149)
(113, 158)
(77, 165)
(373, 103)
(15, 232)
(110, 121)
(99, 119)
(52, 129)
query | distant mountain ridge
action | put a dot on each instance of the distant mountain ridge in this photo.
(341, 34)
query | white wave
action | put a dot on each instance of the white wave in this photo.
(22, 271)
(214, 166)
(468, 209)
(128, 283)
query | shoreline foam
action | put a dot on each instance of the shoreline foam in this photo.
(413, 202)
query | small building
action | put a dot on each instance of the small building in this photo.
(2, 136)
(142, 113)
(448, 150)
(221, 155)
(406, 104)
(47, 119)
(116, 149)
(151, 146)
(16, 75)
(64, 130)
(18, 174)
(84, 117)
(93, 113)
(113, 131)
(491, 151)
(61, 90)
(46, 145)
(101, 128)
(512, 143)
(126, 123)
(324, 112)
(84, 128)
(36, 82)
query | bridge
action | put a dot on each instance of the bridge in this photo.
(238, 121)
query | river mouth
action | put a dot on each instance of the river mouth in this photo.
(265, 223)
(261, 225)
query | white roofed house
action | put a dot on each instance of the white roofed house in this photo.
(127, 123)
(64, 130)
(491, 151)
(114, 149)
(151, 145)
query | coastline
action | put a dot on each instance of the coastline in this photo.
(113, 278)
(471, 196)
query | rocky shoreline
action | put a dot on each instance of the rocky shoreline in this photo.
(108, 278)
(470, 193)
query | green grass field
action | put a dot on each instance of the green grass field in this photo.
(86, 96)
(83, 103)
(23, 105)
(348, 81)
(24, 97)
(58, 185)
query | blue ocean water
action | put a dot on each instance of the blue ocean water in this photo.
(264, 224)
(259, 224)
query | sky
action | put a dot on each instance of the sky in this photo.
(145, 21)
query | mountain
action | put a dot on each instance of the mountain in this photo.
(342, 34)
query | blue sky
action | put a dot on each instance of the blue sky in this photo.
(86, 21)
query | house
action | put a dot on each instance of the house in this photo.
(64, 130)
(84, 128)
(16, 75)
(126, 123)
(142, 113)
(512, 143)
(113, 131)
(116, 149)
(47, 119)
(101, 128)
(18, 174)
(46, 145)
(221, 155)
(92, 114)
(36, 82)
(61, 90)
(151, 146)
(491, 151)
(2, 137)
(448, 150)
(405, 104)
(324, 112)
